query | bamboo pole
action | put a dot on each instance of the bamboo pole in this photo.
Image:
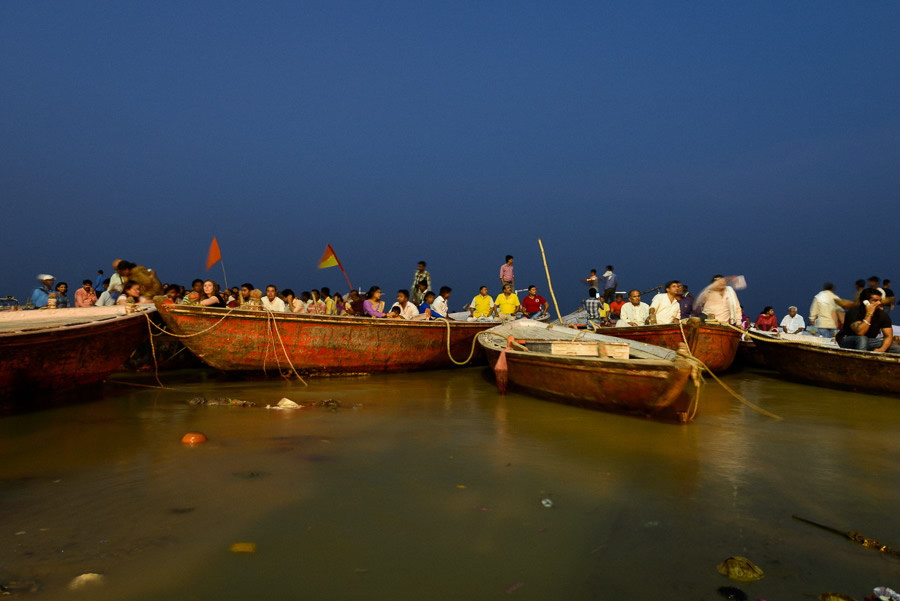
(549, 283)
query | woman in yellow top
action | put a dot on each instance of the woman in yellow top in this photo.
(507, 304)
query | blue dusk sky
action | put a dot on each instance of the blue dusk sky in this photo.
(670, 139)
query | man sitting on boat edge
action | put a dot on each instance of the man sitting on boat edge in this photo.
(863, 324)
(634, 312)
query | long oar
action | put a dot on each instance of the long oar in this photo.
(856, 537)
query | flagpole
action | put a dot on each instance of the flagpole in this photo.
(223, 273)
(345, 275)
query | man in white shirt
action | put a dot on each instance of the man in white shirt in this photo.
(825, 312)
(634, 312)
(439, 305)
(407, 309)
(792, 323)
(665, 307)
(271, 302)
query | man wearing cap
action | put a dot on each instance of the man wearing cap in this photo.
(40, 295)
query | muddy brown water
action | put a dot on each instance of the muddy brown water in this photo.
(429, 486)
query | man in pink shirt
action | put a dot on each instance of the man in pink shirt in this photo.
(85, 296)
(506, 273)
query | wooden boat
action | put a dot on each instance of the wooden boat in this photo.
(60, 349)
(749, 354)
(244, 340)
(715, 344)
(831, 366)
(649, 381)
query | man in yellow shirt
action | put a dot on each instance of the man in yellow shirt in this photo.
(482, 306)
(507, 304)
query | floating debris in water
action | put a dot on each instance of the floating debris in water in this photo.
(16, 587)
(730, 592)
(740, 569)
(181, 510)
(220, 401)
(243, 548)
(514, 587)
(883, 593)
(835, 597)
(249, 475)
(332, 404)
(651, 524)
(85, 581)
(547, 503)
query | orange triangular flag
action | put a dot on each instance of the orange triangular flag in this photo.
(329, 259)
(214, 254)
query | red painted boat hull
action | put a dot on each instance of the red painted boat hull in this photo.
(714, 344)
(257, 341)
(64, 358)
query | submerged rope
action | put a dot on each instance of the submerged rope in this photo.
(691, 358)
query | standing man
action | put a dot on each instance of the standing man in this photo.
(825, 312)
(507, 303)
(864, 323)
(686, 300)
(720, 302)
(792, 323)
(40, 294)
(665, 308)
(634, 312)
(85, 296)
(609, 284)
(888, 298)
(98, 282)
(534, 305)
(506, 274)
(592, 280)
(420, 275)
(271, 302)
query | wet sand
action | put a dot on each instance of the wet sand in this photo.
(429, 485)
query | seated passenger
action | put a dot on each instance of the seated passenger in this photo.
(534, 305)
(405, 308)
(665, 308)
(373, 306)
(482, 306)
(864, 323)
(767, 322)
(634, 312)
(506, 305)
(425, 311)
(209, 297)
(271, 302)
(440, 308)
(792, 323)
(130, 294)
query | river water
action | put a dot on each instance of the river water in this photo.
(430, 486)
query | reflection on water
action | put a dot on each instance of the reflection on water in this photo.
(431, 487)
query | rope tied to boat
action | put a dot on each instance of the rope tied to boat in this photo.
(688, 356)
(449, 354)
(272, 324)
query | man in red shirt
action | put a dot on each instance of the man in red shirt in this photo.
(534, 305)
(616, 305)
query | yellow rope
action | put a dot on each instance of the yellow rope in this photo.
(153, 350)
(230, 311)
(286, 357)
(692, 358)
(549, 283)
(471, 352)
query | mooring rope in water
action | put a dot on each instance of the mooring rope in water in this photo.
(284, 349)
(471, 352)
(690, 357)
